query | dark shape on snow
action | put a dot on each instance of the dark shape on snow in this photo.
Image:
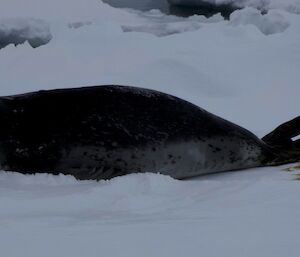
(106, 131)
(188, 8)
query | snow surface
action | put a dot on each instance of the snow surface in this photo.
(245, 69)
(270, 23)
(249, 213)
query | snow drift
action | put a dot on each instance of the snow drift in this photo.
(270, 23)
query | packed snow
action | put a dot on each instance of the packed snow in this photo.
(245, 69)
(270, 23)
(248, 213)
(157, 23)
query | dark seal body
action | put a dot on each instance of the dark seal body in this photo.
(106, 131)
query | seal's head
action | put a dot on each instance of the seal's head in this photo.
(281, 141)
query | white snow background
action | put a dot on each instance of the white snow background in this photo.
(245, 70)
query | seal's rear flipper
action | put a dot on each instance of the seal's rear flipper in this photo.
(281, 139)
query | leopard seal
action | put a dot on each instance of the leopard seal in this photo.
(101, 132)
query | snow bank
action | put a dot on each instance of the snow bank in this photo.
(160, 24)
(289, 5)
(18, 30)
(270, 23)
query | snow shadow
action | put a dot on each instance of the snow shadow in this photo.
(19, 30)
(177, 8)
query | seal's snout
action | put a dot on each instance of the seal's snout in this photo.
(284, 139)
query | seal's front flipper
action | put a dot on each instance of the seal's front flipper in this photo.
(281, 140)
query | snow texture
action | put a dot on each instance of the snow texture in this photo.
(159, 24)
(270, 23)
(18, 30)
(245, 70)
(245, 213)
